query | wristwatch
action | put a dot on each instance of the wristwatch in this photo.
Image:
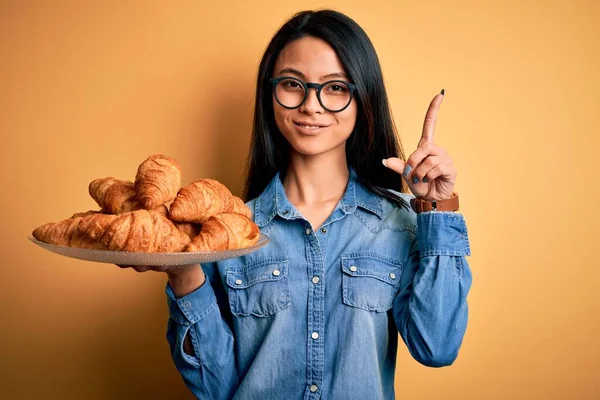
(420, 204)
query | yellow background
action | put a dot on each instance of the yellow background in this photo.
(90, 89)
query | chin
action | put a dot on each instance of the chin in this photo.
(316, 148)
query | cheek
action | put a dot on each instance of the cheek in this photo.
(347, 118)
(281, 115)
(282, 118)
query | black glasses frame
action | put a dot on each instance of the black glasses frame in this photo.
(309, 85)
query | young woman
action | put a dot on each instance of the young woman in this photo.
(352, 260)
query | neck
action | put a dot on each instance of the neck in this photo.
(316, 180)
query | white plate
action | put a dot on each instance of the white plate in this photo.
(150, 259)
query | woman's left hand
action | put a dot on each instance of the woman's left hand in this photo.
(429, 171)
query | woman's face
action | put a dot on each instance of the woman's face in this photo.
(310, 129)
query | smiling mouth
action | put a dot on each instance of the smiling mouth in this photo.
(310, 127)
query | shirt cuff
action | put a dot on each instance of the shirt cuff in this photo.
(192, 307)
(442, 233)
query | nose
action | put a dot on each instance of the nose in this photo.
(311, 105)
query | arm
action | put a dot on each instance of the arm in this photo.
(201, 342)
(184, 282)
(431, 309)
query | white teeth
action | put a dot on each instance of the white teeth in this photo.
(310, 126)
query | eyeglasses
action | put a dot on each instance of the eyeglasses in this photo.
(334, 96)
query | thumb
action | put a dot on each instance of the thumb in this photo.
(395, 164)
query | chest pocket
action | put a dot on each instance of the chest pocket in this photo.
(260, 289)
(370, 282)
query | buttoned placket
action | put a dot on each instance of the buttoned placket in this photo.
(315, 249)
(316, 318)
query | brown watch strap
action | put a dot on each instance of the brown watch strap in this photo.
(420, 205)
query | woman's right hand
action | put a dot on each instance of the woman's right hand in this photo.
(183, 279)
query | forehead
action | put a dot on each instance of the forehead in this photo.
(311, 56)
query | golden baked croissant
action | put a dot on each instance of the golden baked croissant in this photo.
(189, 228)
(162, 210)
(85, 213)
(134, 216)
(226, 231)
(204, 198)
(144, 231)
(239, 207)
(67, 232)
(92, 227)
(113, 195)
(157, 180)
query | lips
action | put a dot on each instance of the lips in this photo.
(309, 125)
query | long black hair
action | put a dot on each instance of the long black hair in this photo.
(374, 135)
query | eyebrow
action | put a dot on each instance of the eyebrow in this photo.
(300, 74)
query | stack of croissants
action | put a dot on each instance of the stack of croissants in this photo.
(155, 214)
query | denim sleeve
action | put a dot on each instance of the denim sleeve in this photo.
(431, 309)
(210, 373)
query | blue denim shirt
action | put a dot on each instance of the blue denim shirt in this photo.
(316, 313)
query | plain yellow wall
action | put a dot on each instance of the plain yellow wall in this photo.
(91, 88)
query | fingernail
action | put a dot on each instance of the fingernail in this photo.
(425, 180)
(415, 180)
(443, 91)
(407, 170)
(384, 162)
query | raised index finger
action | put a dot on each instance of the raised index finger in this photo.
(430, 118)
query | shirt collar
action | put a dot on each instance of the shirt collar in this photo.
(273, 201)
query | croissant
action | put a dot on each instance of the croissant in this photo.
(162, 210)
(202, 199)
(227, 231)
(239, 207)
(157, 180)
(67, 232)
(113, 195)
(85, 213)
(144, 231)
(189, 228)
(92, 227)
(134, 216)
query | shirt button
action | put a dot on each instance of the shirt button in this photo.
(238, 281)
(392, 275)
(278, 272)
(187, 304)
(315, 279)
(308, 231)
(285, 212)
(353, 268)
(314, 388)
(315, 335)
(324, 230)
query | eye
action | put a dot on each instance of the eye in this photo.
(291, 84)
(336, 88)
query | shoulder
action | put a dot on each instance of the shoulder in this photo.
(397, 216)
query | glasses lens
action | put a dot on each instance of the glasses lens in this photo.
(289, 92)
(335, 95)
